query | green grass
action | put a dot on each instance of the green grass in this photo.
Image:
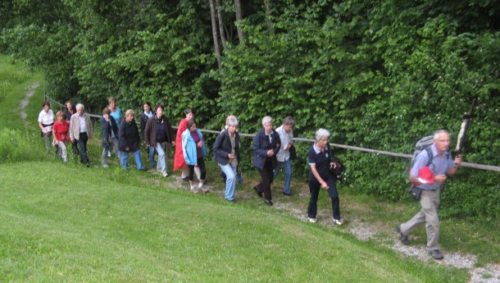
(57, 228)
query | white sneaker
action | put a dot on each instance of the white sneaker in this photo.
(312, 220)
(164, 173)
(200, 185)
(337, 221)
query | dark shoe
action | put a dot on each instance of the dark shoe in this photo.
(436, 254)
(287, 194)
(268, 202)
(402, 237)
(259, 193)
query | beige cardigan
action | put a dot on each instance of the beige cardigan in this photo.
(74, 126)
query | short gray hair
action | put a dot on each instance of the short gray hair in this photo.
(266, 119)
(231, 120)
(289, 121)
(439, 132)
(321, 133)
(80, 106)
(129, 112)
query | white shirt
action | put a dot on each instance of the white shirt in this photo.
(46, 118)
(286, 138)
(83, 124)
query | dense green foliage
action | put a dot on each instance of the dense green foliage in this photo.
(379, 74)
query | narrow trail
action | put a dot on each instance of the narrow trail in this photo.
(366, 231)
(25, 101)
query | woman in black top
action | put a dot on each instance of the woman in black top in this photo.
(320, 162)
(129, 141)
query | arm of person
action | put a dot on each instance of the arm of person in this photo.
(278, 144)
(217, 147)
(316, 175)
(257, 147)
(420, 161)
(147, 132)
(457, 162)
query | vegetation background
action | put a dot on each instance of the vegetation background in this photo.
(379, 74)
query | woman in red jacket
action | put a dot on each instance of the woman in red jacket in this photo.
(60, 129)
(179, 162)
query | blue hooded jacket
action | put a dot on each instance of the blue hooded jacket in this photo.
(189, 147)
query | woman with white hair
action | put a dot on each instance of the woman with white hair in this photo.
(80, 131)
(320, 176)
(266, 145)
(227, 155)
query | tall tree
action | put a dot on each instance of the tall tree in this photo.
(239, 17)
(214, 33)
(269, 22)
(221, 23)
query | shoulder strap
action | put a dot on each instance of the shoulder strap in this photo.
(429, 155)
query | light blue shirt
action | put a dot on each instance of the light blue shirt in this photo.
(117, 115)
(439, 166)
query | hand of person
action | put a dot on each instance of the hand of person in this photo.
(231, 156)
(289, 146)
(173, 143)
(72, 139)
(324, 185)
(270, 153)
(440, 179)
(199, 144)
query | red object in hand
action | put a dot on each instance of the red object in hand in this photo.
(425, 176)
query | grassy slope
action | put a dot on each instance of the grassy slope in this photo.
(77, 224)
(78, 230)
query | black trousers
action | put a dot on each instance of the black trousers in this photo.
(266, 179)
(203, 170)
(314, 188)
(82, 148)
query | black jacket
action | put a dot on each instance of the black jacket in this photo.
(106, 130)
(261, 145)
(222, 147)
(128, 137)
(150, 131)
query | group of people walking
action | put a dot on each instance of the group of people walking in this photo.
(273, 150)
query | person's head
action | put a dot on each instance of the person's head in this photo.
(129, 115)
(442, 140)
(111, 103)
(192, 125)
(146, 107)
(105, 113)
(288, 124)
(80, 109)
(267, 124)
(159, 110)
(321, 138)
(59, 116)
(231, 124)
(69, 105)
(189, 114)
(46, 106)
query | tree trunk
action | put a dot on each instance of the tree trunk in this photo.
(237, 8)
(221, 23)
(269, 23)
(214, 33)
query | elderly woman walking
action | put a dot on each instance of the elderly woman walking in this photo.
(321, 163)
(179, 162)
(80, 131)
(61, 128)
(45, 122)
(227, 155)
(266, 145)
(129, 141)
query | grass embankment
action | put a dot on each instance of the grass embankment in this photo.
(57, 224)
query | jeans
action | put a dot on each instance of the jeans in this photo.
(62, 150)
(82, 148)
(287, 168)
(124, 159)
(161, 149)
(151, 157)
(47, 138)
(314, 188)
(230, 173)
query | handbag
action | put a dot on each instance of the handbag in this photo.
(338, 170)
(415, 192)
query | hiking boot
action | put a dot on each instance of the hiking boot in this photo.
(268, 202)
(287, 194)
(436, 254)
(402, 237)
(311, 219)
(337, 221)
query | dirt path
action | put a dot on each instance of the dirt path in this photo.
(26, 100)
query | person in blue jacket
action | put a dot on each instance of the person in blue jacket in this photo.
(266, 145)
(194, 149)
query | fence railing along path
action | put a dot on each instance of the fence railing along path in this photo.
(343, 146)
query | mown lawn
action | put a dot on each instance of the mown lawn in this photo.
(76, 224)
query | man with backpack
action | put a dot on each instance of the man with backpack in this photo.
(428, 173)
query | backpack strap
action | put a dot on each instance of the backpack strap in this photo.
(429, 155)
